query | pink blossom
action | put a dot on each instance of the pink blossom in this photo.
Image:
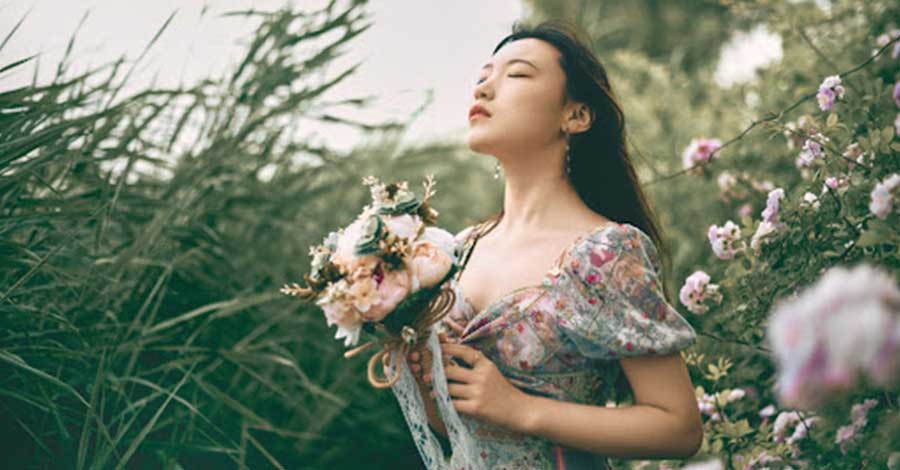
(845, 325)
(767, 411)
(392, 289)
(854, 154)
(884, 39)
(858, 420)
(763, 234)
(882, 196)
(699, 150)
(836, 183)
(429, 264)
(810, 201)
(829, 91)
(724, 240)
(697, 290)
(770, 213)
(897, 93)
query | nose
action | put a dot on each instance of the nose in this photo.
(483, 90)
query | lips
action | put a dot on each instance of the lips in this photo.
(478, 110)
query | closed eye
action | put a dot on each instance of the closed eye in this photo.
(510, 75)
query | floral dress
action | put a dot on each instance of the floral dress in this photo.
(601, 301)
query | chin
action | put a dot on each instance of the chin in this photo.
(479, 142)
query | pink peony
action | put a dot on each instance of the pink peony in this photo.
(429, 264)
(393, 288)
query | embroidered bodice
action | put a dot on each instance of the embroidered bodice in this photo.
(601, 301)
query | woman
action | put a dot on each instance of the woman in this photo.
(561, 308)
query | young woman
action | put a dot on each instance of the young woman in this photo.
(561, 306)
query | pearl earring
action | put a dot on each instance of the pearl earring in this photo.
(497, 170)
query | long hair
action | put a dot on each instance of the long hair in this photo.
(601, 170)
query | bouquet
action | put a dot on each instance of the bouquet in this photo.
(383, 274)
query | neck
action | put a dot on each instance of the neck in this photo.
(537, 199)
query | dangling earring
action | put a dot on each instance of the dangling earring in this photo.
(568, 160)
(497, 170)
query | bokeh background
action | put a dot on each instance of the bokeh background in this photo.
(165, 166)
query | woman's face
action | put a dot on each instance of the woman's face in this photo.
(525, 101)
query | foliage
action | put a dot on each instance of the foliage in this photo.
(143, 242)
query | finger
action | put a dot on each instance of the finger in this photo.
(470, 355)
(459, 374)
(463, 406)
(455, 326)
(459, 391)
(414, 356)
(414, 368)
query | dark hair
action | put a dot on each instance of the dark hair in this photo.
(601, 170)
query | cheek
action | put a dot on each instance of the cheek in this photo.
(532, 110)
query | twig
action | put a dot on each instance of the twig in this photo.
(771, 117)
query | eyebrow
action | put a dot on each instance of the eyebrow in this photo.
(511, 61)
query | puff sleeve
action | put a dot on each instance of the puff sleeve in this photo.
(619, 309)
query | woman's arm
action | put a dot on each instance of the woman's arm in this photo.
(664, 422)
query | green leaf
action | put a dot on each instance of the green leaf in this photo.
(832, 120)
(887, 134)
(878, 232)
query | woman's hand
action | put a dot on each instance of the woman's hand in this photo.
(483, 392)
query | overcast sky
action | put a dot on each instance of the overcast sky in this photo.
(413, 46)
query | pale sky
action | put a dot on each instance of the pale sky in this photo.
(412, 46)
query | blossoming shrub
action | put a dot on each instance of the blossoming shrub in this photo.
(791, 271)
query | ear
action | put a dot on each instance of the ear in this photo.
(578, 118)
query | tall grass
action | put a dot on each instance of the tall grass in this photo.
(142, 252)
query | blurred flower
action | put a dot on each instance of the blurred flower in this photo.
(884, 39)
(858, 420)
(790, 422)
(882, 196)
(699, 150)
(855, 153)
(714, 464)
(767, 411)
(811, 152)
(897, 94)
(829, 91)
(697, 292)
(845, 325)
(770, 213)
(724, 240)
(763, 230)
(836, 183)
(810, 201)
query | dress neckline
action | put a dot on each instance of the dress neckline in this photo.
(555, 266)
